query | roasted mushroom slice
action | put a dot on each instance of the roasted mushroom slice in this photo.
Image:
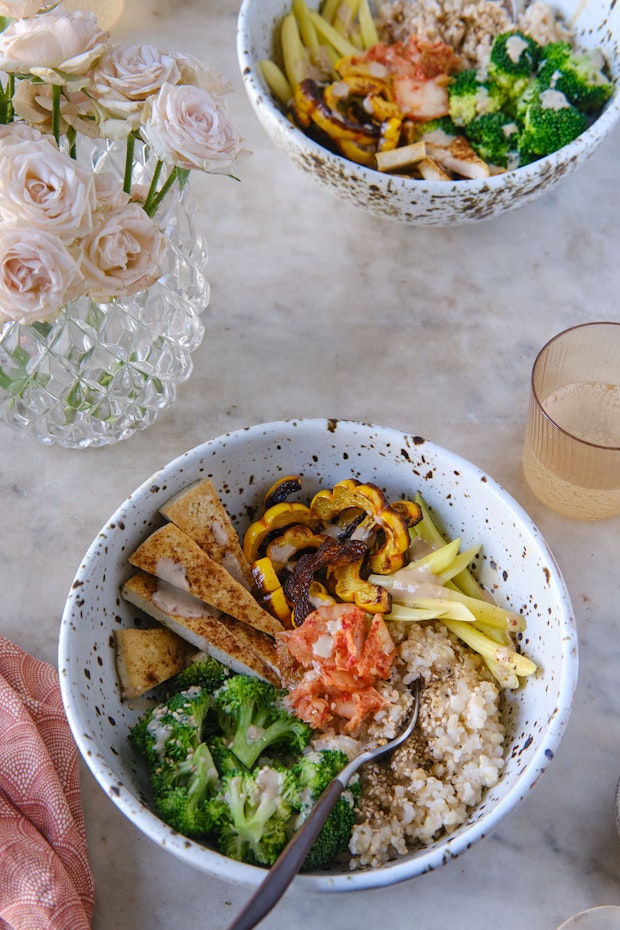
(331, 552)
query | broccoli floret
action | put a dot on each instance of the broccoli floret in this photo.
(205, 672)
(225, 761)
(549, 122)
(579, 76)
(251, 814)
(494, 138)
(182, 772)
(513, 62)
(253, 718)
(441, 124)
(313, 773)
(182, 792)
(470, 96)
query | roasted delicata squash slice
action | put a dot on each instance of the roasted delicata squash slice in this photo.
(386, 530)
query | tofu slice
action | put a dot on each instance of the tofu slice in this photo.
(171, 555)
(235, 644)
(198, 511)
(146, 658)
(458, 156)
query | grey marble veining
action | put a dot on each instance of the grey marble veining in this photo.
(319, 310)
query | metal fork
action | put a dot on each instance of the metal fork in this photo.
(292, 857)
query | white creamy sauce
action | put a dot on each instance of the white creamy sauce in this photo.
(219, 533)
(269, 780)
(515, 46)
(253, 733)
(553, 100)
(231, 564)
(417, 588)
(174, 601)
(172, 572)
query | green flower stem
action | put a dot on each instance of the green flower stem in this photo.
(56, 112)
(6, 100)
(155, 197)
(131, 142)
(72, 140)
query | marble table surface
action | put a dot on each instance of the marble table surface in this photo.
(320, 310)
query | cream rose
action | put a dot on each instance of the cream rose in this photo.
(18, 9)
(132, 73)
(38, 275)
(200, 75)
(33, 103)
(191, 128)
(123, 254)
(44, 45)
(123, 79)
(109, 190)
(43, 187)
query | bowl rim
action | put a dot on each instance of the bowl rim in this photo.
(209, 860)
(263, 102)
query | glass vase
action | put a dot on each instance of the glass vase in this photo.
(98, 372)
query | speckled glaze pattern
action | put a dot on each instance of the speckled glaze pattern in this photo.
(417, 202)
(515, 563)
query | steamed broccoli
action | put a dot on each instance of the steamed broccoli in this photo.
(251, 814)
(313, 773)
(579, 76)
(494, 138)
(549, 122)
(206, 672)
(513, 62)
(224, 759)
(470, 96)
(253, 718)
(183, 775)
(442, 125)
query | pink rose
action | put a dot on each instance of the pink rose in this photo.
(45, 45)
(33, 102)
(38, 275)
(18, 9)
(123, 79)
(123, 253)
(191, 128)
(43, 187)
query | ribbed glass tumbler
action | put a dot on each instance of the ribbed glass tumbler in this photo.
(98, 372)
(571, 453)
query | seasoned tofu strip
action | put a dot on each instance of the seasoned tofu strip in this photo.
(172, 556)
(235, 644)
(198, 511)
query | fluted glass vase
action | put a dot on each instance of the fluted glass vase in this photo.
(98, 372)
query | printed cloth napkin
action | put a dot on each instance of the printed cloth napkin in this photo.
(46, 881)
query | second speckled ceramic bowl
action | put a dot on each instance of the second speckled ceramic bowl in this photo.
(515, 563)
(417, 202)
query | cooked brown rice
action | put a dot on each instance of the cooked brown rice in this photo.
(429, 785)
(468, 26)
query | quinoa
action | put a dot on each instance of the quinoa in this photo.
(428, 786)
(467, 26)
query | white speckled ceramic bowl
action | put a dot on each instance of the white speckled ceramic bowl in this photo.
(606, 917)
(432, 203)
(515, 562)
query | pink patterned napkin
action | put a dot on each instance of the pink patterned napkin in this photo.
(45, 878)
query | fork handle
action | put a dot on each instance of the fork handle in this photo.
(289, 862)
